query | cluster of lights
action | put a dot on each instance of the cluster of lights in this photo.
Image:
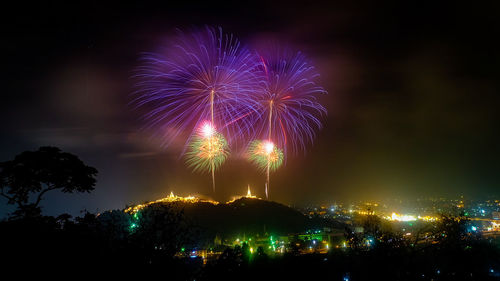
(369, 242)
(279, 246)
(248, 195)
(495, 226)
(428, 218)
(366, 213)
(189, 199)
(169, 199)
(399, 217)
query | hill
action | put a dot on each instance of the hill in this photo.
(248, 216)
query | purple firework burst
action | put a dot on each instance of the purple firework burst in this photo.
(289, 113)
(200, 76)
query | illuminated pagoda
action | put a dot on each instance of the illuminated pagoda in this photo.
(248, 195)
(170, 199)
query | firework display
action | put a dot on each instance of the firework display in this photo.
(202, 75)
(207, 150)
(207, 89)
(289, 112)
(264, 154)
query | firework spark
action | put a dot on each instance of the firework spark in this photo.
(202, 75)
(264, 154)
(205, 75)
(207, 150)
(289, 112)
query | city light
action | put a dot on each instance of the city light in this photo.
(397, 217)
(315, 241)
(366, 131)
(170, 198)
(408, 218)
(248, 195)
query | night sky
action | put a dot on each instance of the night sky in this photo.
(412, 104)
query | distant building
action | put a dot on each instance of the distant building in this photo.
(495, 215)
(217, 240)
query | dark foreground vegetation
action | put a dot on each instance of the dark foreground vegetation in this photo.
(98, 243)
(148, 243)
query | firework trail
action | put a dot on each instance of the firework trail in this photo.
(199, 76)
(289, 113)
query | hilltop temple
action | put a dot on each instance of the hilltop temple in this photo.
(188, 199)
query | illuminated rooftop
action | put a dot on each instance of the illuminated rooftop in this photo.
(170, 198)
(248, 195)
(399, 217)
(188, 199)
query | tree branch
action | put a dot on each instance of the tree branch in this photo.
(39, 198)
(4, 195)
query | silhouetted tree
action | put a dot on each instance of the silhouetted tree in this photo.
(452, 230)
(160, 232)
(371, 225)
(24, 180)
(261, 257)
(245, 253)
(353, 238)
(116, 224)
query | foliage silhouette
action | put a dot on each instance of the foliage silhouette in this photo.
(148, 242)
(24, 180)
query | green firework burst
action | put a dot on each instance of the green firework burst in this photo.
(263, 152)
(207, 153)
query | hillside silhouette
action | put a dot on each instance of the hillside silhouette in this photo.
(249, 217)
